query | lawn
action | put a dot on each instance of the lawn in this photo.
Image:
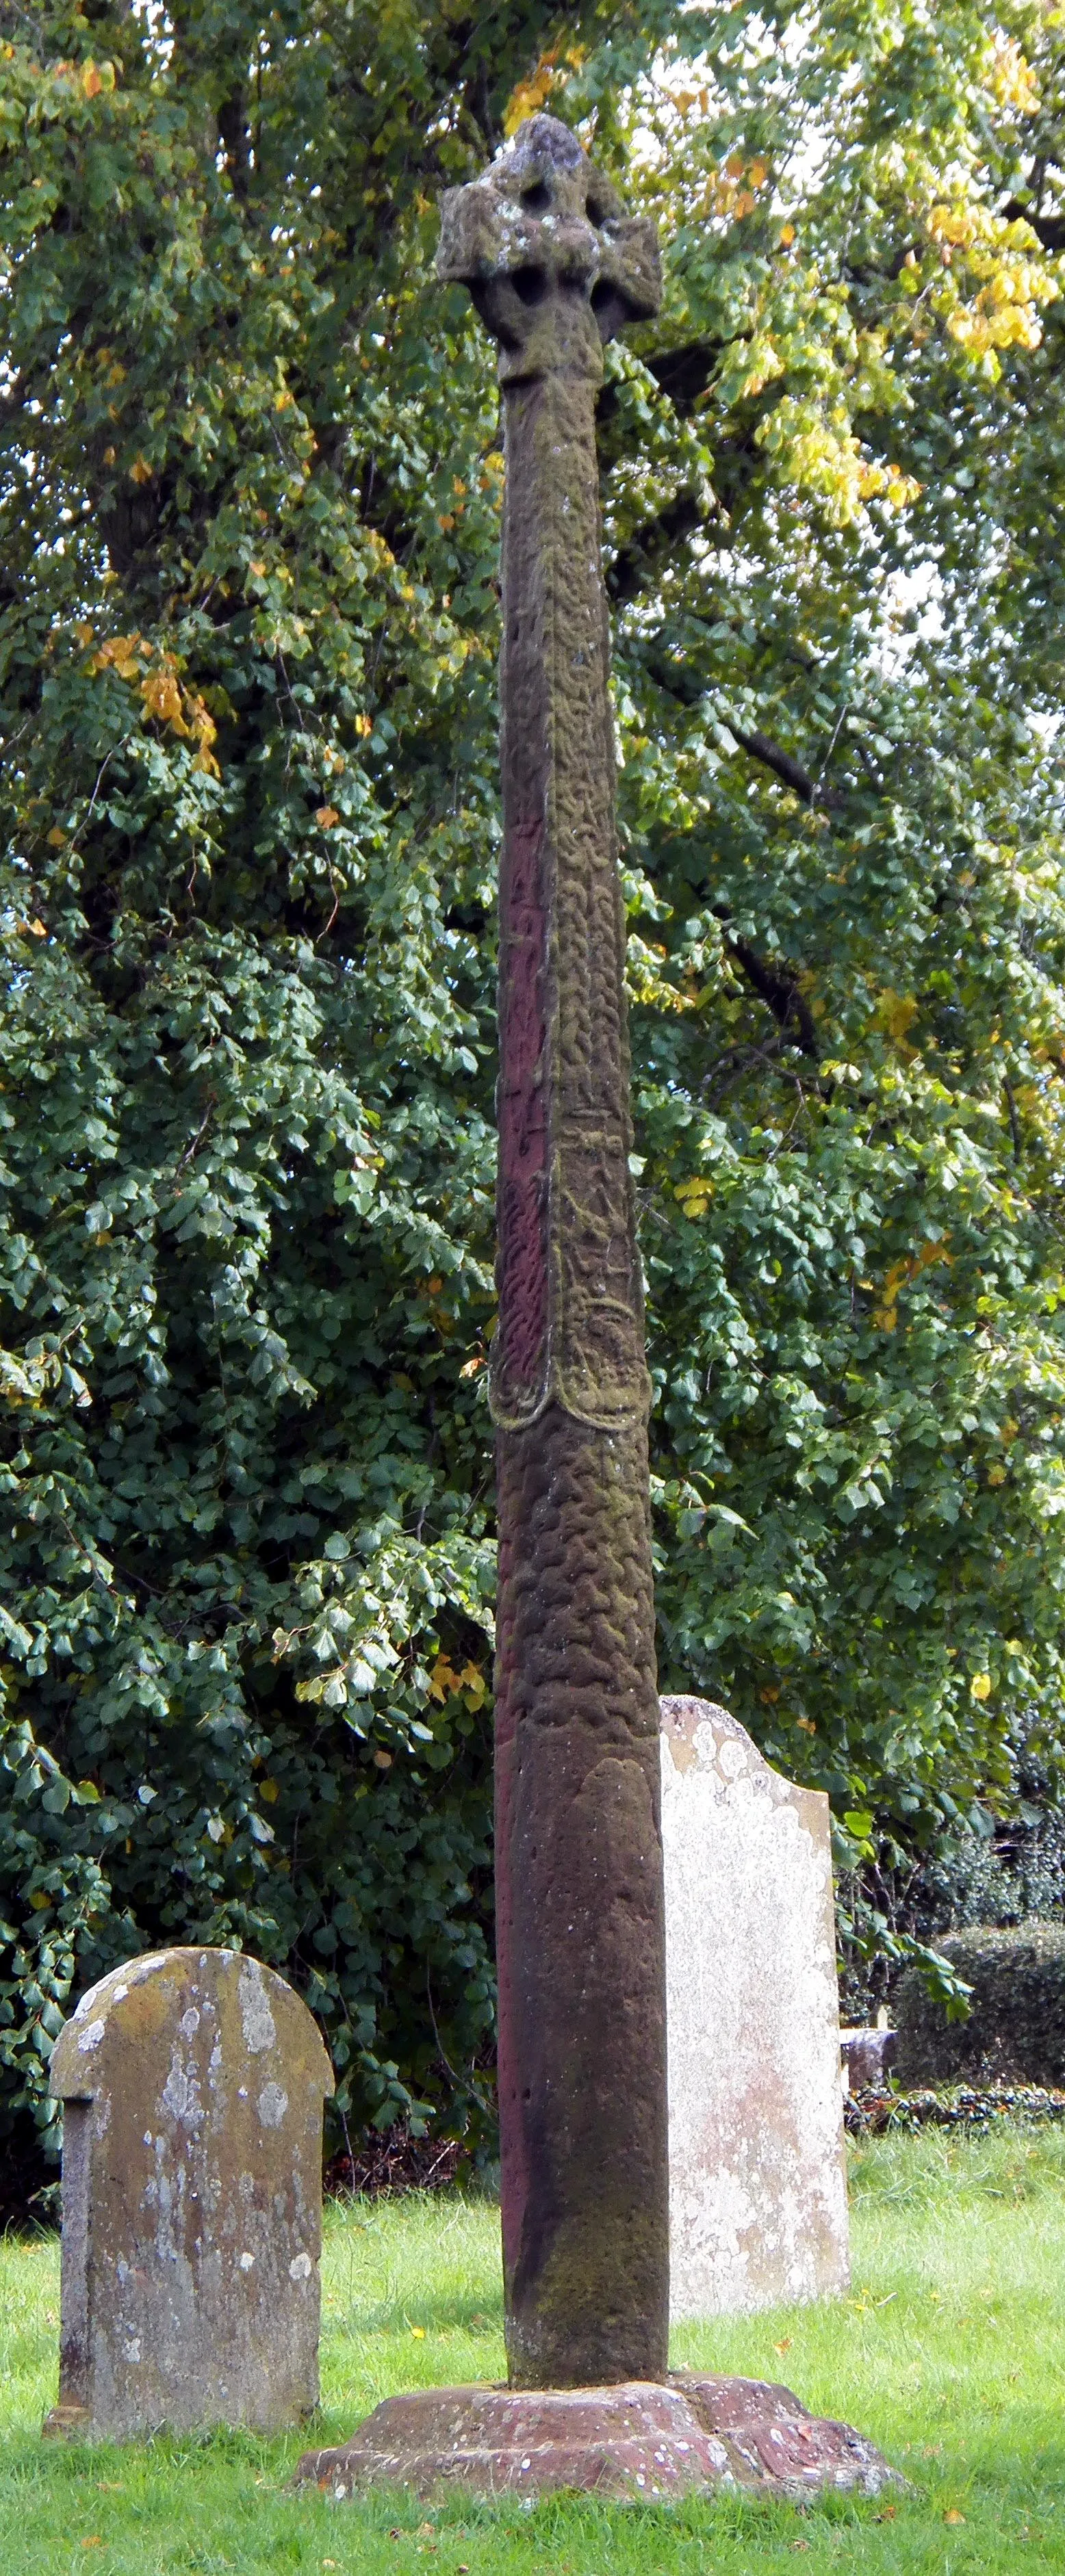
(949, 2353)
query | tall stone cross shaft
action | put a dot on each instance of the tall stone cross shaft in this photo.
(555, 268)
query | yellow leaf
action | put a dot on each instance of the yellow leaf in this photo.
(268, 1789)
(418, 2333)
(326, 815)
(1015, 85)
(895, 1013)
(162, 696)
(952, 2514)
(787, 236)
(92, 86)
(980, 1688)
(39, 1900)
(532, 94)
(33, 929)
(56, 838)
(83, 633)
(443, 1679)
(996, 1475)
(470, 1367)
(140, 472)
(120, 654)
(694, 1195)
(203, 725)
(383, 1759)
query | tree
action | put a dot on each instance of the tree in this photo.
(249, 493)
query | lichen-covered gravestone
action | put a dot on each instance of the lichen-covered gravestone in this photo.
(192, 2083)
(758, 2196)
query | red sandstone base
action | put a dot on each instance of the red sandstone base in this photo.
(639, 2440)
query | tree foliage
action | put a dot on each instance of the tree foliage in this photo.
(249, 492)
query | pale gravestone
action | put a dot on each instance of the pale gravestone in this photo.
(192, 2083)
(758, 2201)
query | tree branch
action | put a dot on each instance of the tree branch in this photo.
(235, 140)
(633, 564)
(684, 374)
(790, 772)
(1049, 230)
(778, 987)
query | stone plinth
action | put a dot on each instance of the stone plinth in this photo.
(639, 2440)
(192, 2084)
(758, 2205)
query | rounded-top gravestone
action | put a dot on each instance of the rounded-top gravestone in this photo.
(192, 2083)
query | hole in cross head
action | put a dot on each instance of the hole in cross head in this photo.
(536, 196)
(596, 210)
(530, 284)
(611, 308)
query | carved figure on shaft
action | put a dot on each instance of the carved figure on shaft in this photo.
(555, 268)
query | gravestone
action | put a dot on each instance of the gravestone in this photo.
(758, 2199)
(192, 2084)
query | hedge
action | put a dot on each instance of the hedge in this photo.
(1016, 2028)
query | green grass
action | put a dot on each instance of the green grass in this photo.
(950, 2352)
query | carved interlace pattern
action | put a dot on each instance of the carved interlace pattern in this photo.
(555, 268)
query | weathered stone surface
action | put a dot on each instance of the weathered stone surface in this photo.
(578, 1930)
(639, 2440)
(554, 269)
(192, 2084)
(758, 2204)
(780, 2443)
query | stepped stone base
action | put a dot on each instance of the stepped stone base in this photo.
(638, 2440)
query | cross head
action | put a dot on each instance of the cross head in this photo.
(553, 264)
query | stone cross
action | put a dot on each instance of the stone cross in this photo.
(192, 2083)
(555, 268)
